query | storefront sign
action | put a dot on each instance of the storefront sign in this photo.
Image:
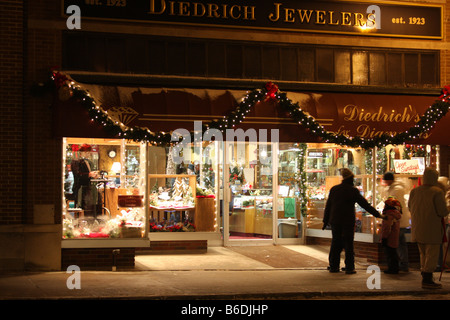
(407, 166)
(315, 154)
(348, 17)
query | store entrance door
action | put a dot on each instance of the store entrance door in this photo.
(248, 185)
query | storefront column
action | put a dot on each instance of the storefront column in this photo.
(374, 186)
(275, 150)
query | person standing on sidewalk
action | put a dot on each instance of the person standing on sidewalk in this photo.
(396, 189)
(340, 214)
(427, 206)
(390, 229)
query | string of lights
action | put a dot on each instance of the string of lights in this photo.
(270, 91)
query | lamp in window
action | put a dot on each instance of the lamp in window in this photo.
(115, 168)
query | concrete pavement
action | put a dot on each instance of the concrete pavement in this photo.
(219, 274)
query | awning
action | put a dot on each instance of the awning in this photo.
(168, 109)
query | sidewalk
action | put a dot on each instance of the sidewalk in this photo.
(219, 274)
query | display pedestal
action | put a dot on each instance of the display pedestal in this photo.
(204, 214)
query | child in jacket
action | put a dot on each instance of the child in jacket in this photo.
(390, 229)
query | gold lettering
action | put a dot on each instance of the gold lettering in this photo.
(184, 8)
(232, 12)
(358, 20)
(304, 15)
(351, 111)
(224, 11)
(331, 19)
(371, 23)
(196, 11)
(275, 16)
(212, 10)
(320, 17)
(346, 16)
(152, 7)
(172, 11)
(251, 11)
(289, 15)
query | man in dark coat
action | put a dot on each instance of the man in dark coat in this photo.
(340, 214)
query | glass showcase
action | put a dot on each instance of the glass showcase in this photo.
(104, 189)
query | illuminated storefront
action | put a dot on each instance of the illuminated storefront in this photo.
(358, 69)
(268, 185)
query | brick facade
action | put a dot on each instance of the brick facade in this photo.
(98, 258)
(12, 66)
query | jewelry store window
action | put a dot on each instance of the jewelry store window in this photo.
(104, 189)
(182, 188)
(404, 164)
(323, 162)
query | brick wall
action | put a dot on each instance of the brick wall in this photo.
(97, 258)
(197, 246)
(43, 151)
(11, 106)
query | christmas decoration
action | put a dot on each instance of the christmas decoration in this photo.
(270, 92)
(300, 176)
(381, 161)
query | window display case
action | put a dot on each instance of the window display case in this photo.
(103, 189)
(322, 168)
(325, 160)
(252, 214)
(182, 196)
(172, 202)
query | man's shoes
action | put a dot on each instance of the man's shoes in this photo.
(352, 271)
(391, 271)
(428, 282)
(334, 270)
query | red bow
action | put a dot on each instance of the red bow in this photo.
(445, 93)
(59, 78)
(272, 89)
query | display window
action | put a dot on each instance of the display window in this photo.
(323, 162)
(115, 188)
(182, 188)
(251, 185)
(104, 189)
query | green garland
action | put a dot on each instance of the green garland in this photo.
(381, 161)
(427, 121)
(300, 176)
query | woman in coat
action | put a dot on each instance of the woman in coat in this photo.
(427, 206)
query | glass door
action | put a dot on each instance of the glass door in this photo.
(291, 191)
(249, 179)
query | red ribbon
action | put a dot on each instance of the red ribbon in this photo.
(59, 79)
(272, 89)
(445, 93)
